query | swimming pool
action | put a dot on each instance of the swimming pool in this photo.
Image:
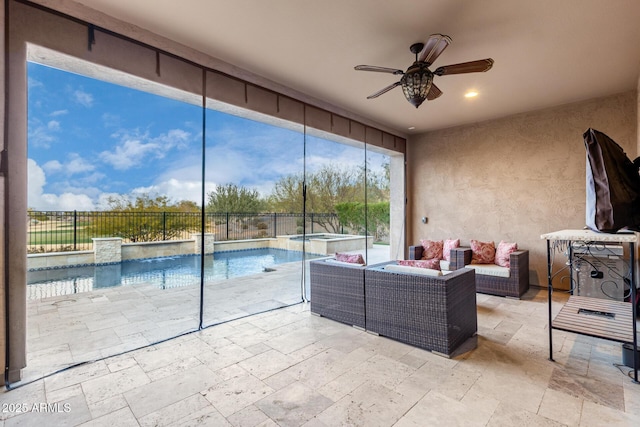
(166, 272)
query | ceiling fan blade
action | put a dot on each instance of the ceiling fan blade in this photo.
(385, 90)
(478, 66)
(433, 47)
(434, 92)
(378, 69)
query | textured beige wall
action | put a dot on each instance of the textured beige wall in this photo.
(513, 178)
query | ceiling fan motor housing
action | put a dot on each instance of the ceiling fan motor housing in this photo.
(416, 83)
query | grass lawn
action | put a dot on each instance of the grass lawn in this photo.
(58, 237)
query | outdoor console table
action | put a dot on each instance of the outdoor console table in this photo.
(600, 318)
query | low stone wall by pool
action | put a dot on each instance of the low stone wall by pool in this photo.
(112, 250)
(325, 243)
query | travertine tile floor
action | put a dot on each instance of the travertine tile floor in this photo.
(288, 367)
(70, 329)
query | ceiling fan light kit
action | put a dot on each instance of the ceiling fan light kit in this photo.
(417, 81)
(416, 84)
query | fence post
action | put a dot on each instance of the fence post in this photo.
(275, 224)
(75, 229)
(227, 225)
(164, 225)
(311, 222)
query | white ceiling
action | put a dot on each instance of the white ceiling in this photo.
(546, 52)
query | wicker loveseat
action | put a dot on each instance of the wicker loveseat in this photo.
(437, 313)
(337, 291)
(515, 285)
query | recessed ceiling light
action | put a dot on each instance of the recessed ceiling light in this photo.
(412, 128)
(471, 94)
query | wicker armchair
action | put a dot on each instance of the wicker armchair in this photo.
(513, 286)
(437, 313)
(337, 291)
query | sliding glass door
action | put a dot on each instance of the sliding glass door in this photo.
(114, 189)
(254, 212)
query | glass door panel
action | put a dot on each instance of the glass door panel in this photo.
(335, 177)
(113, 213)
(253, 184)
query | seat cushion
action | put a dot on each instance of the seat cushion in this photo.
(490, 270)
(349, 264)
(433, 264)
(412, 270)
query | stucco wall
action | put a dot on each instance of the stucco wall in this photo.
(513, 178)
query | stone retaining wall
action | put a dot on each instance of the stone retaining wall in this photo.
(111, 250)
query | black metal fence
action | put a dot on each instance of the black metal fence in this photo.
(56, 231)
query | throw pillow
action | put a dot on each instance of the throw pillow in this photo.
(350, 258)
(431, 249)
(503, 252)
(482, 252)
(447, 246)
(433, 264)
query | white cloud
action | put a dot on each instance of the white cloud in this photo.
(110, 120)
(103, 200)
(36, 181)
(39, 200)
(75, 164)
(53, 125)
(174, 138)
(135, 148)
(52, 166)
(33, 83)
(59, 113)
(177, 190)
(68, 202)
(41, 135)
(92, 178)
(128, 154)
(83, 98)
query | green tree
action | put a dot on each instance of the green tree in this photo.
(144, 219)
(327, 188)
(352, 215)
(234, 199)
(286, 196)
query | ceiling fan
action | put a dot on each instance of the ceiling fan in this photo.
(417, 81)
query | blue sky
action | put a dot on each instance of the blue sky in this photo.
(88, 140)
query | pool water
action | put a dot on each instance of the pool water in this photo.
(166, 272)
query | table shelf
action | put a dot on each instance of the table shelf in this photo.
(586, 316)
(600, 318)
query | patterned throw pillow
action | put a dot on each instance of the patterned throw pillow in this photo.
(503, 252)
(482, 252)
(431, 249)
(433, 264)
(448, 245)
(350, 258)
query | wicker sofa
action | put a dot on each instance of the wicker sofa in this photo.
(337, 291)
(513, 286)
(437, 313)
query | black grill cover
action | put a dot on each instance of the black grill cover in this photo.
(613, 185)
